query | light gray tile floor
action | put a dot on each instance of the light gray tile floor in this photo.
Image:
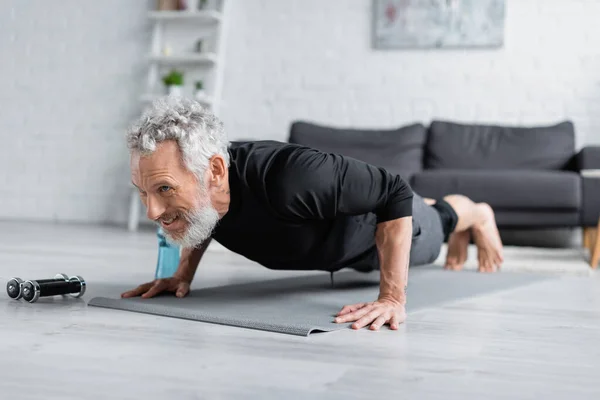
(539, 341)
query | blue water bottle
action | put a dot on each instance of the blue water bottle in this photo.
(168, 257)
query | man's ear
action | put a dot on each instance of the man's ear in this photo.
(218, 170)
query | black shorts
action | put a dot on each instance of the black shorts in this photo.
(447, 215)
(432, 226)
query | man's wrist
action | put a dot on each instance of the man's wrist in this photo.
(184, 273)
(399, 298)
(188, 264)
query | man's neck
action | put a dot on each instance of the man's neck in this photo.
(223, 198)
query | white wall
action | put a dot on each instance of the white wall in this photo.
(72, 70)
(70, 80)
(313, 59)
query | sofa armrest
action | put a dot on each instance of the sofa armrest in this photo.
(588, 161)
(588, 165)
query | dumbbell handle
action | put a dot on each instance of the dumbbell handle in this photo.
(53, 288)
(47, 280)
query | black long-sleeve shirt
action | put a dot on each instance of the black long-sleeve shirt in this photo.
(296, 208)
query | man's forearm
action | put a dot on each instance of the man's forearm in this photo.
(393, 240)
(190, 258)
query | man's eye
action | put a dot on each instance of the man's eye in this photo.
(164, 188)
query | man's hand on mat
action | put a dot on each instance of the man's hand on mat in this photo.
(179, 286)
(376, 313)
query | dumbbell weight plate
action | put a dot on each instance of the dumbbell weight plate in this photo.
(14, 287)
(31, 291)
(79, 279)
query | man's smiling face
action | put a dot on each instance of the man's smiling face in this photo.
(174, 197)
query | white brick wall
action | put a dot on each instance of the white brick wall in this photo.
(72, 71)
(312, 59)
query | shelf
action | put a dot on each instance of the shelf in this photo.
(207, 15)
(191, 58)
(149, 97)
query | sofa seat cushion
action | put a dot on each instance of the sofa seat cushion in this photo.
(400, 150)
(507, 189)
(470, 146)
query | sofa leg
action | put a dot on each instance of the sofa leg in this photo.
(595, 248)
(589, 236)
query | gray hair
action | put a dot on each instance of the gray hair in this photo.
(197, 131)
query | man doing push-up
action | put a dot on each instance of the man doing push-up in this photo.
(291, 207)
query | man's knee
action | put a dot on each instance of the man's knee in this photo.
(458, 199)
(485, 206)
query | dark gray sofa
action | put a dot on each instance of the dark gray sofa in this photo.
(533, 177)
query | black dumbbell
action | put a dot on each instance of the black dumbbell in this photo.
(33, 290)
(14, 287)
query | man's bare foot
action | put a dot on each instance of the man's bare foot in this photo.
(458, 245)
(487, 239)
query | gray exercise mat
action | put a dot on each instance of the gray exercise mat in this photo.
(304, 305)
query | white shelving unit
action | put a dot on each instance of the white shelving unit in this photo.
(205, 100)
(200, 15)
(190, 58)
(178, 31)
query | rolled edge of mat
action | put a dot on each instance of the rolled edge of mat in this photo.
(157, 309)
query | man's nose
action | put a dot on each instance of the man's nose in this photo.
(155, 208)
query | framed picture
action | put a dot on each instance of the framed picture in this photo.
(401, 24)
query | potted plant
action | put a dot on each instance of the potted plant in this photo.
(174, 82)
(199, 92)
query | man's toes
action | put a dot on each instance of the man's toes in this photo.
(454, 267)
(498, 262)
(451, 261)
(485, 265)
(482, 267)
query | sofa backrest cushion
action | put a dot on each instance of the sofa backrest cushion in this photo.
(400, 151)
(465, 146)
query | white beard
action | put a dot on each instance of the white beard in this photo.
(201, 223)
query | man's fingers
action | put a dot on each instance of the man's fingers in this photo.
(382, 319)
(367, 319)
(353, 316)
(158, 287)
(138, 290)
(153, 288)
(350, 308)
(182, 289)
(394, 324)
